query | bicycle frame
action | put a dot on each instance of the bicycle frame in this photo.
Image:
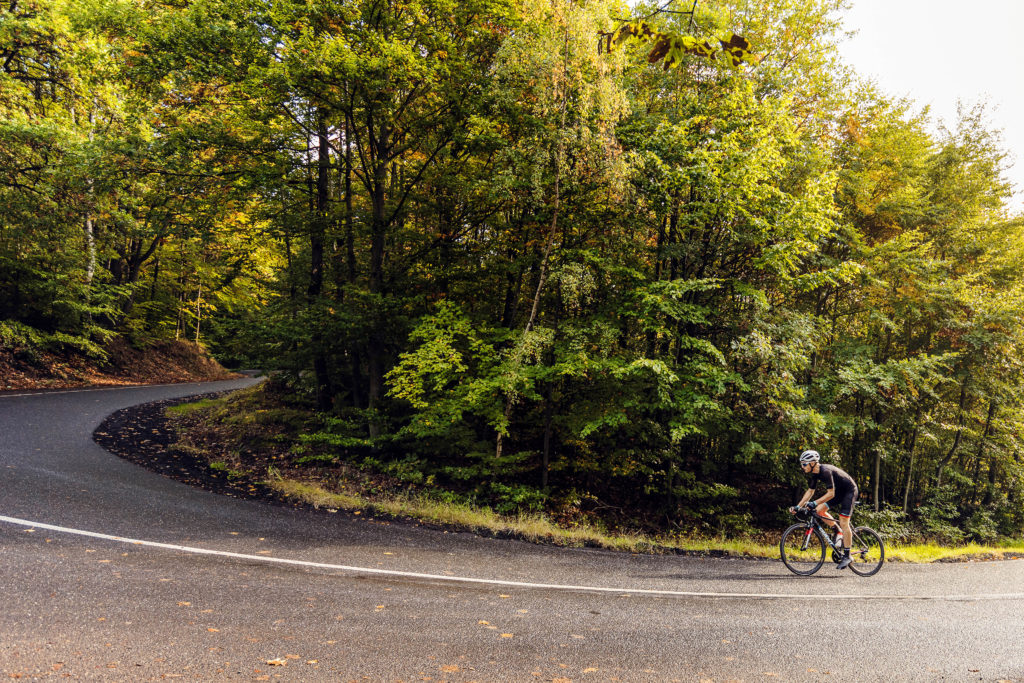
(817, 522)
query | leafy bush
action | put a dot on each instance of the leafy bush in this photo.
(518, 498)
(891, 522)
(938, 516)
(982, 526)
(18, 335)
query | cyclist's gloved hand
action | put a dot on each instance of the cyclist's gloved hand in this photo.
(793, 509)
(811, 505)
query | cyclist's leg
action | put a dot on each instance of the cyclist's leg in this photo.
(827, 518)
(844, 524)
(845, 512)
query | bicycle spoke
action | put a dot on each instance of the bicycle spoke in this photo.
(867, 551)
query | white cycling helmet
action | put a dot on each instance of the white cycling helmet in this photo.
(809, 456)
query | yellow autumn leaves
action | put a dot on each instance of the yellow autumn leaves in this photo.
(671, 47)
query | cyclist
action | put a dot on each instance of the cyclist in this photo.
(840, 488)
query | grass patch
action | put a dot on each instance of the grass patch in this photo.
(316, 495)
(227, 469)
(931, 552)
(184, 409)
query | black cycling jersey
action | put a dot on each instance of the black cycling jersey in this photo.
(833, 478)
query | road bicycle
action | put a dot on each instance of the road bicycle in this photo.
(803, 546)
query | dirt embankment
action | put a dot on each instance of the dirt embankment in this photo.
(162, 362)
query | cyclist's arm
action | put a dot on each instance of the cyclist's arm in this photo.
(829, 495)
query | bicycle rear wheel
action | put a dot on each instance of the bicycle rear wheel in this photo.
(802, 549)
(867, 551)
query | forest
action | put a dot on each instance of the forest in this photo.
(513, 253)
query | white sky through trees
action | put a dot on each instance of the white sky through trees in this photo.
(936, 52)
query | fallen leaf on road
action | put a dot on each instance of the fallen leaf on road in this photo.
(590, 670)
(277, 662)
(506, 635)
(450, 668)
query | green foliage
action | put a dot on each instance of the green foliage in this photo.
(891, 522)
(516, 499)
(477, 253)
(452, 372)
(939, 515)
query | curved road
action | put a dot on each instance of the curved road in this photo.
(224, 589)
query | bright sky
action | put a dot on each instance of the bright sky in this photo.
(938, 51)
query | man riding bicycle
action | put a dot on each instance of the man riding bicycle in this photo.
(840, 487)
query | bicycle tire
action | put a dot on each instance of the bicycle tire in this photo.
(801, 559)
(867, 551)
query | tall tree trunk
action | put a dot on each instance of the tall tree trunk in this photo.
(199, 309)
(878, 477)
(959, 433)
(549, 414)
(90, 233)
(993, 465)
(355, 370)
(324, 397)
(910, 466)
(378, 233)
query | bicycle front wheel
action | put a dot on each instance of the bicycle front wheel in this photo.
(866, 551)
(803, 549)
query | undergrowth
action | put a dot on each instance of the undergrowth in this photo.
(286, 465)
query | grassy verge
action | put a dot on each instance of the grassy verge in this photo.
(531, 527)
(930, 552)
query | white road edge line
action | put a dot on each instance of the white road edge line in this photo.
(501, 582)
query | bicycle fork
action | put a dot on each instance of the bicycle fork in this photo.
(807, 538)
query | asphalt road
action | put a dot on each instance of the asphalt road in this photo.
(242, 590)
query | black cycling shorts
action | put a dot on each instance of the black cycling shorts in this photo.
(844, 502)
